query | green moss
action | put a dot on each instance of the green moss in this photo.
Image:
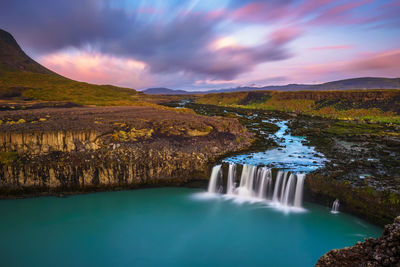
(393, 199)
(351, 107)
(51, 87)
(8, 157)
(351, 128)
(133, 135)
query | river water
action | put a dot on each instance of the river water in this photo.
(168, 227)
(179, 226)
(292, 154)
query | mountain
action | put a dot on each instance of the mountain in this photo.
(22, 78)
(348, 84)
(165, 91)
(12, 58)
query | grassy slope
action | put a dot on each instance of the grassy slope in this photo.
(370, 105)
(50, 87)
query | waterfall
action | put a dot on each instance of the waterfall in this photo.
(264, 184)
(246, 187)
(276, 187)
(243, 177)
(298, 197)
(288, 189)
(257, 184)
(269, 184)
(213, 183)
(283, 187)
(231, 179)
(335, 206)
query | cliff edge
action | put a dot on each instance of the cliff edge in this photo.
(382, 251)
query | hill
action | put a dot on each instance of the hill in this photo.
(22, 78)
(362, 83)
(348, 84)
(165, 91)
(13, 58)
(368, 105)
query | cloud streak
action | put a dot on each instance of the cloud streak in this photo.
(194, 42)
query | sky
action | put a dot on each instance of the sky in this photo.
(208, 44)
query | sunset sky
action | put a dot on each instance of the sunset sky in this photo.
(207, 44)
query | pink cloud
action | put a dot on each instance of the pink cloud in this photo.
(340, 14)
(260, 12)
(332, 47)
(94, 67)
(384, 63)
(215, 14)
(312, 12)
(307, 7)
(387, 60)
(149, 10)
(285, 35)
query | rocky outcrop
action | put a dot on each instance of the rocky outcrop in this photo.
(383, 251)
(83, 149)
(378, 207)
(43, 142)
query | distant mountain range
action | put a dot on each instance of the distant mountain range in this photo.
(165, 91)
(348, 84)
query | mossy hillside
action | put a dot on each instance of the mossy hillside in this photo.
(366, 105)
(49, 87)
(376, 206)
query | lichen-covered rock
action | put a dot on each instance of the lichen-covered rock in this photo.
(382, 251)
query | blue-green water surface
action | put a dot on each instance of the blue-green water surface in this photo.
(168, 227)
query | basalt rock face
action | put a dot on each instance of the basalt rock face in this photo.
(78, 149)
(383, 251)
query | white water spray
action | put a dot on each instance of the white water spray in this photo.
(335, 206)
(231, 179)
(288, 189)
(213, 183)
(246, 188)
(283, 187)
(257, 184)
(264, 183)
(275, 197)
(298, 197)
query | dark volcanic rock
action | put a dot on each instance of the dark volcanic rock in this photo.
(55, 150)
(383, 251)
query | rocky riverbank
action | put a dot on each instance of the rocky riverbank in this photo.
(362, 167)
(53, 150)
(382, 251)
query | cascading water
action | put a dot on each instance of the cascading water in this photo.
(335, 206)
(288, 190)
(298, 197)
(275, 197)
(264, 183)
(283, 187)
(231, 179)
(246, 188)
(258, 184)
(213, 183)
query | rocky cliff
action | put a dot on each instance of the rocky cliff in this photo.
(383, 251)
(78, 149)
